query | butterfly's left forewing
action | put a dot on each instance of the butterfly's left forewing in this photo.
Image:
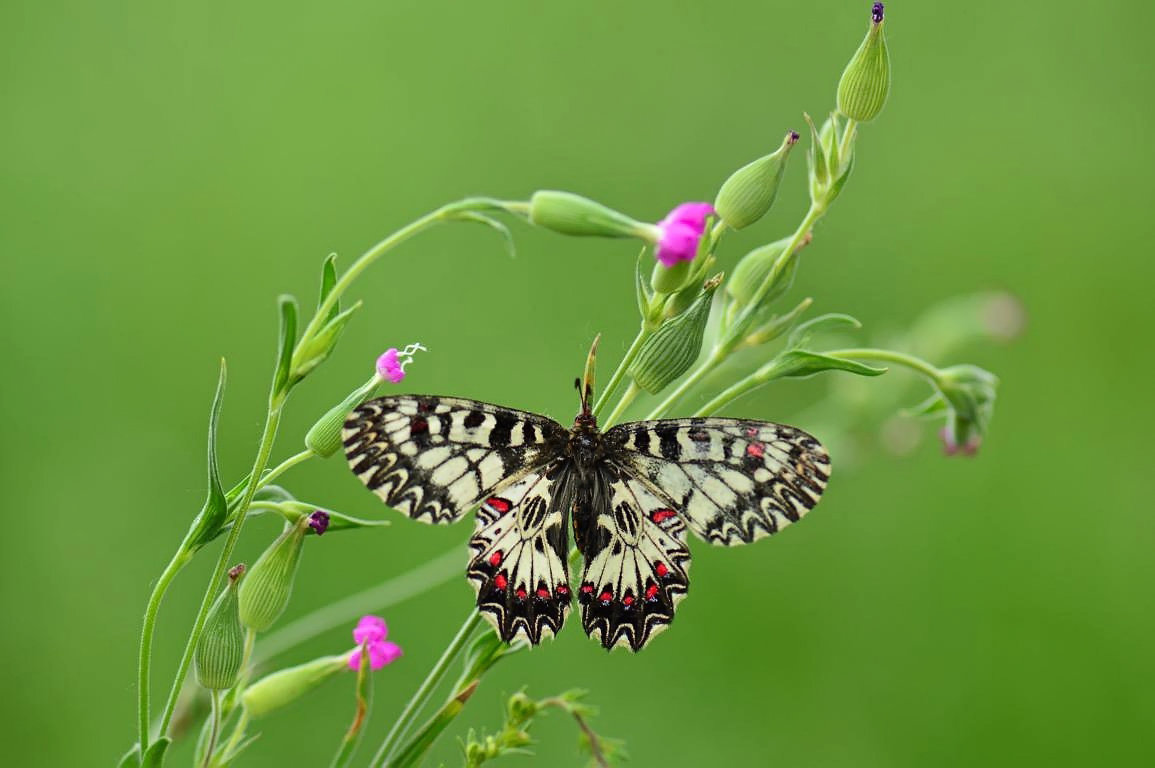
(435, 458)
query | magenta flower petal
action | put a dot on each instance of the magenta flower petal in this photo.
(387, 365)
(681, 231)
(383, 653)
(370, 628)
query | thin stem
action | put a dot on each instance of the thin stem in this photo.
(421, 697)
(628, 397)
(215, 729)
(265, 448)
(693, 378)
(236, 736)
(616, 379)
(847, 138)
(286, 465)
(729, 394)
(376, 598)
(144, 682)
(890, 356)
(409, 230)
(590, 734)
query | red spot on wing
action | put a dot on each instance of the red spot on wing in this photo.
(542, 592)
(521, 593)
(628, 600)
(500, 581)
(495, 558)
(587, 589)
(606, 597)
(661, 570)
(562, 589)
(418, 425)
(756, 450)
(652, 592)
(658, 515)
(498, 505)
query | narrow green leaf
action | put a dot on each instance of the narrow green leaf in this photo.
(214, 513)
(799, 363)
(288, 337)
(321, 346)
(800, 336)
(328, 280)
(643, 287)
(340, 522)
(154, 758)
(492, 223)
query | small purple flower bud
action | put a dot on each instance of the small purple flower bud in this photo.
(951, 447)
(876, 12)
(793, 139)
(319, 522)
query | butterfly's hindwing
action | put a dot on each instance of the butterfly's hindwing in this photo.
(434, 458)
(520, 549)
(733, 480)
(636, 560)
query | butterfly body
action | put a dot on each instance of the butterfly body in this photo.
(627, 494)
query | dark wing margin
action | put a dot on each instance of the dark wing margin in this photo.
(733, 480)
(636, 562)
(435, 458)
(519, 565)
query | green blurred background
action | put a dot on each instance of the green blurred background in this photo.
(168, 169)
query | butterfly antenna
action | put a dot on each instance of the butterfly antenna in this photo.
(586, 383)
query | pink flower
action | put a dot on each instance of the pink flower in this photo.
(391, 365)
(389, 368)
(681, 231)
(371, 632)
(950, 445)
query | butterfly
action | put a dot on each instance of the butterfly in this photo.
(628, 493)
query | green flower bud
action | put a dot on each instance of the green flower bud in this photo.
(865, 82)
(756, 267)
(287, 685)
(670, 279)
(749, 193)
(572, 214)
(674, 347)
(324, 437)
(520, 708)
(220, 651)
(319, 347)
(266, 590)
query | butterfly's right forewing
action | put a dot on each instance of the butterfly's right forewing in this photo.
(435, 458)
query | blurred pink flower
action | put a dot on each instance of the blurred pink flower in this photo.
(681, 231)
(389, 368)
(371, 632)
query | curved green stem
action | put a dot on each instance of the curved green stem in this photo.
(432, 574)
(286, 465)
(144, 683)
(444, 213)
(687, 383)
(421, 697)
(265, 448)
(890, 356)
(236, 736)
(729, 394)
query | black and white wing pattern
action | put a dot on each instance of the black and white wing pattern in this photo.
(520, 549)
(636, 560)
(734, 481)
(435, 458)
